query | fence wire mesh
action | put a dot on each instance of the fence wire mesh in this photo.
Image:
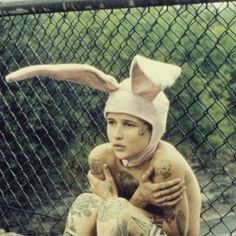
(47, 128)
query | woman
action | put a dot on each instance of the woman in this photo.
(137, 180)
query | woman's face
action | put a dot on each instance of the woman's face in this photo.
(127, 134)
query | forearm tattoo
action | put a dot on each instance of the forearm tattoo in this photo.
(96, 167)
(157, 220)
(169, 214)
(163, 169)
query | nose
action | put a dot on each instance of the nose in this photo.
(118, 132)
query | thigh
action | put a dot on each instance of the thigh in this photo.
(144, 223)
(82, 216)
(119, 215)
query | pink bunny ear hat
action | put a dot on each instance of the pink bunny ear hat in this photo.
(141, 95)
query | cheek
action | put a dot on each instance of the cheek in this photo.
(138, 143)
(108, 131)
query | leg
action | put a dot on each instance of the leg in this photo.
(82, 216)
(118, 217)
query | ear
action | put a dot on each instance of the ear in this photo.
(149, 77)
(76, 73)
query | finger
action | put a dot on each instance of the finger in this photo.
(171, 190)
(169, 184)
(170, 197)
(91, 178)
(170, 203)
(107, 172)
(147, 174)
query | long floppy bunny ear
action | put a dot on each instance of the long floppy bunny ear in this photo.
(149, 77)
(77, 73)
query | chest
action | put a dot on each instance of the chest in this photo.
(126, 183)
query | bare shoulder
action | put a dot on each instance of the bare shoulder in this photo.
(101, 154)
(168, 162)
(100, 151)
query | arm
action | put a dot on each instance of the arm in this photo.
(164, 194)
(100, 178)
(166, 168)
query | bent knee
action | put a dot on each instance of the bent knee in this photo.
(113, 208)
(88, 197)
(85, 204)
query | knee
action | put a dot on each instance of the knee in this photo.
(84, 204)
(113, 208)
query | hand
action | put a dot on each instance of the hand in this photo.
(103, 188)
(160, 194)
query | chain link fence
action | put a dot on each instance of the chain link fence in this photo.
(47, 128)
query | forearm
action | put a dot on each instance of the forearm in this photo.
(137, 200)
(175, 220)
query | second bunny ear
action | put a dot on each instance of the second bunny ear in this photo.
(149, 77)
(77, 73)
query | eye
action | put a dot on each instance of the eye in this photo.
(129, 125)
(111, 122)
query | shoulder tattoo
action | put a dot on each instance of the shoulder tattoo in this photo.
(163, 169)
(96, 167)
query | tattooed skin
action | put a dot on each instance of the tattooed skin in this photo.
(121, 229)
(82, 205)
(127, 184)
(157, 220)
(96, 167)
(148, 229)
(169, 214)
(181, 222)
(110, 209)
(163, 169)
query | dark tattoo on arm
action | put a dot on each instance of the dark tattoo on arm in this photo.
(181, 222)
(169, 214)
(163, 169)
(157, 220)
(96, 167)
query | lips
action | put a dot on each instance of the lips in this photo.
(118, 147)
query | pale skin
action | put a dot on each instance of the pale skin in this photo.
(149, 199)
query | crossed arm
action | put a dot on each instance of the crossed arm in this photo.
(168, 195)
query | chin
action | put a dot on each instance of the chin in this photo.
(122, 155)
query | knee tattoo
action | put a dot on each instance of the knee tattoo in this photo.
(84, 205)
(111, 208)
